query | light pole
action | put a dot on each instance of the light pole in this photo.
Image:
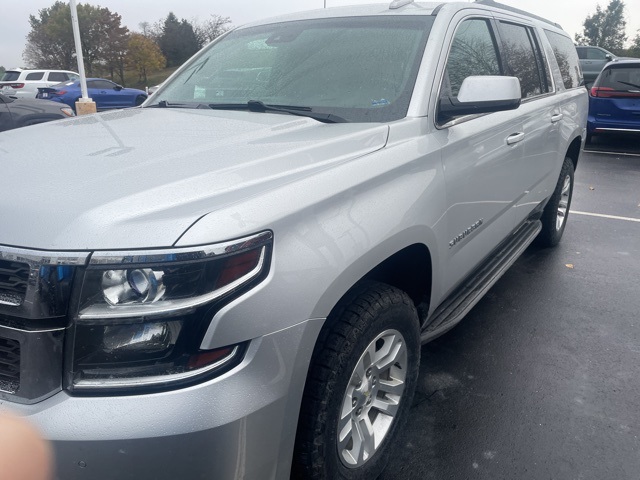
(85, 104)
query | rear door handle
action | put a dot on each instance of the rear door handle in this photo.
(556, 118)
(515, 138)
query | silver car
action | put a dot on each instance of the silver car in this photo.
(234, 280)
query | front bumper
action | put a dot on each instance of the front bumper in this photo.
(239, 425)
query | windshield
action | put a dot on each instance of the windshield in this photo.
(360, 69)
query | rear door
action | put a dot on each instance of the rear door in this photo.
(539, 112)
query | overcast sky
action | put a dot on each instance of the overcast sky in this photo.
(14, 20)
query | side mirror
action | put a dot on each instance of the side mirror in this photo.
(481, 94)
(608, 56)
(118, 87)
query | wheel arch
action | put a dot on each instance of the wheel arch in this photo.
(573, 152)
(406, 265)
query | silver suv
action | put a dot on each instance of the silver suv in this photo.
(234, 280)
(25, 83)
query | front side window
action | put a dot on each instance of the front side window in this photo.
(596, 54)
(361, 69)
(567, 59)
(473, 52)
(523, 59)
(101, 84)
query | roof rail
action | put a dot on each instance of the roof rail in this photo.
(399, 3)
(492, 3)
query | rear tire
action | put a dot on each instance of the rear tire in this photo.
(556, 212)
(360, 386)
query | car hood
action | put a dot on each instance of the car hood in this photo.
(139, 178)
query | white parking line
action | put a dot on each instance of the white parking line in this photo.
(627, 154)
(613, 217)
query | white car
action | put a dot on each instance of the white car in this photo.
(25, 83)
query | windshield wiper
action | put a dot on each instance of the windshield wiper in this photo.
(627, 83)
(261, 107)
(165, 104)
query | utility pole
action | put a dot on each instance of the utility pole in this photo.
(85, 104)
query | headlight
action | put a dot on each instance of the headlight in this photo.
(141, 316)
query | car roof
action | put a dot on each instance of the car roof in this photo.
(623, 62)
(403, 8)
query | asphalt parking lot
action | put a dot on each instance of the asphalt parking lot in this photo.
(542, 379)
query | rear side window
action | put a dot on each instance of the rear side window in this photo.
(10, 76)
(473, 52)
(567, 58)
(58, 77)
(523, 59)
(582, 52)
(34, 76)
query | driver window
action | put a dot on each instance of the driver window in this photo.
(473, 52)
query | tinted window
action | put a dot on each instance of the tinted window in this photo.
(58, 77)
(34, 76)
(621, 78)
(473, 52)
(567, 58)
(362, 69)
(101, 84)
(10, 76)
(582, 52)
(523, 59)
(596, 54)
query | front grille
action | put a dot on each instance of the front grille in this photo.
(9, 365)
(13, 282)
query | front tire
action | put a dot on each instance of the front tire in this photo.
(555, 214)
(360, 386)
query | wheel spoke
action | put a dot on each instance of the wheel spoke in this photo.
(392, 349)
(393, 386)
(388, 406)
(365, 432)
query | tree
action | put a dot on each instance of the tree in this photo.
(50, 42)
(605, 28)
(635, 45)
(144, 56)
(210, 29)
(178, 41)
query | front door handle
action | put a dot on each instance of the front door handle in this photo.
(515, 138)
(556, 118)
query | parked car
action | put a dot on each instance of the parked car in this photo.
(592, 61)
(25, 83)
(106, 94)
(21, 112)
(234, 280)
(614, 102)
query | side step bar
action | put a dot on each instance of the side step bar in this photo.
(458, 304)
